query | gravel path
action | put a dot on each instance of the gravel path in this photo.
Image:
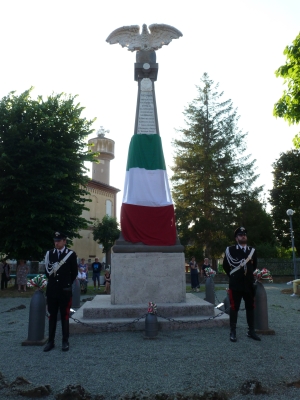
(184, 361)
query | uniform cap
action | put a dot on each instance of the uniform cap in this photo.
(240, 231)
(59, 236)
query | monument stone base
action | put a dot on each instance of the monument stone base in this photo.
(99, 315)
(138, 278)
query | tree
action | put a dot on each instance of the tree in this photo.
(106, 233)
(42, 155)
(288, 106)
(212, 174)
(253, 215)
(286, 194)
(259, 224)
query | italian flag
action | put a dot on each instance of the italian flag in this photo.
(147, 213)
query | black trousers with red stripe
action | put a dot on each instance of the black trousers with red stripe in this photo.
(59, 302)
(235, 297)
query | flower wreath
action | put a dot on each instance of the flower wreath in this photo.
(38, 281)
(210, 272)
(264, 275)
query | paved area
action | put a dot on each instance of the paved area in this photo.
(178, 363)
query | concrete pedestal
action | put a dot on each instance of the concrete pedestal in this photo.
(100, 315)
(138, 278)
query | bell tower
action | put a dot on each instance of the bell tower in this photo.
(106, 148)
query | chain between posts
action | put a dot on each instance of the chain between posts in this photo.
(110, 328)
(241, 309)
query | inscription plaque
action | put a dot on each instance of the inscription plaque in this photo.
(146, 118)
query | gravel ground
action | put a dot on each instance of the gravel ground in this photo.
(185, 362)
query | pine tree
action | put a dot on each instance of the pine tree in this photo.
(212, 175)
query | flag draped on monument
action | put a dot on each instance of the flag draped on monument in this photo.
(147, 213)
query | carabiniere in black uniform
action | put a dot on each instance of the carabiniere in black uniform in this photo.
(61, 270)
(239, 263)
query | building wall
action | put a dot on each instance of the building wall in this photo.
(103, 201)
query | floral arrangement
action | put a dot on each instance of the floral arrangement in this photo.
(152, 308)
(264, 274)
(38, 281)
(210, 272)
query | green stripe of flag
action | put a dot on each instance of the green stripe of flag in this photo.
(145, 151)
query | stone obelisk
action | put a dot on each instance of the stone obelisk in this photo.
(147, 260)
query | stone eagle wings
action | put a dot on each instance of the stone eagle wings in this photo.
(130, 36)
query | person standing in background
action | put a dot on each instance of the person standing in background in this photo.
(194, 275)
(5, 275)
(22, 272)
(85, 268)
(205, 265)
(96, 268)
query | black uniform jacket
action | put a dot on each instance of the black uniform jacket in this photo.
(66, 274)
(238, 280)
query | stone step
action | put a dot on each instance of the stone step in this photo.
(100, 315)
(101, 307)
(80, 325)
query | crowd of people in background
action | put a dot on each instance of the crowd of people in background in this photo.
(96, 268)
(22, 271)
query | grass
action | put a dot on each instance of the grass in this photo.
(12, 291)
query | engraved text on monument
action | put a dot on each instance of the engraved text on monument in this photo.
(146, 118)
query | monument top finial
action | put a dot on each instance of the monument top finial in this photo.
(130, 36)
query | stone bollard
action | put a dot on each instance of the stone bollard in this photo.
(210, 291)
(226, 307)
(261, 311)
(76, 294)
(37, 315)
(151, 326)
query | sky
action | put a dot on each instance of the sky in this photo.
(60, 46)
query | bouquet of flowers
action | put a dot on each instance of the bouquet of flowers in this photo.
(210, 273)
(39, 282)
(152, 308)
(264, 274)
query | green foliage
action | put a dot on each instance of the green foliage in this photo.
(259, 224)
(266, 250)
(284, 253)
(212, 175)
(106, 232)
(42, 155)
(288, 106)
(286, 195)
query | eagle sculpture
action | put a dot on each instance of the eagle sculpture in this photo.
(130, 36)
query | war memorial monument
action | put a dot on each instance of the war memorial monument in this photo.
(148, 259)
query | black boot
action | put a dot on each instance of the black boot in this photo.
(233, 333)
(65, 335)
(52, 328)
(250, 320)
(49, 346)
(251, 334)
(233, 320)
